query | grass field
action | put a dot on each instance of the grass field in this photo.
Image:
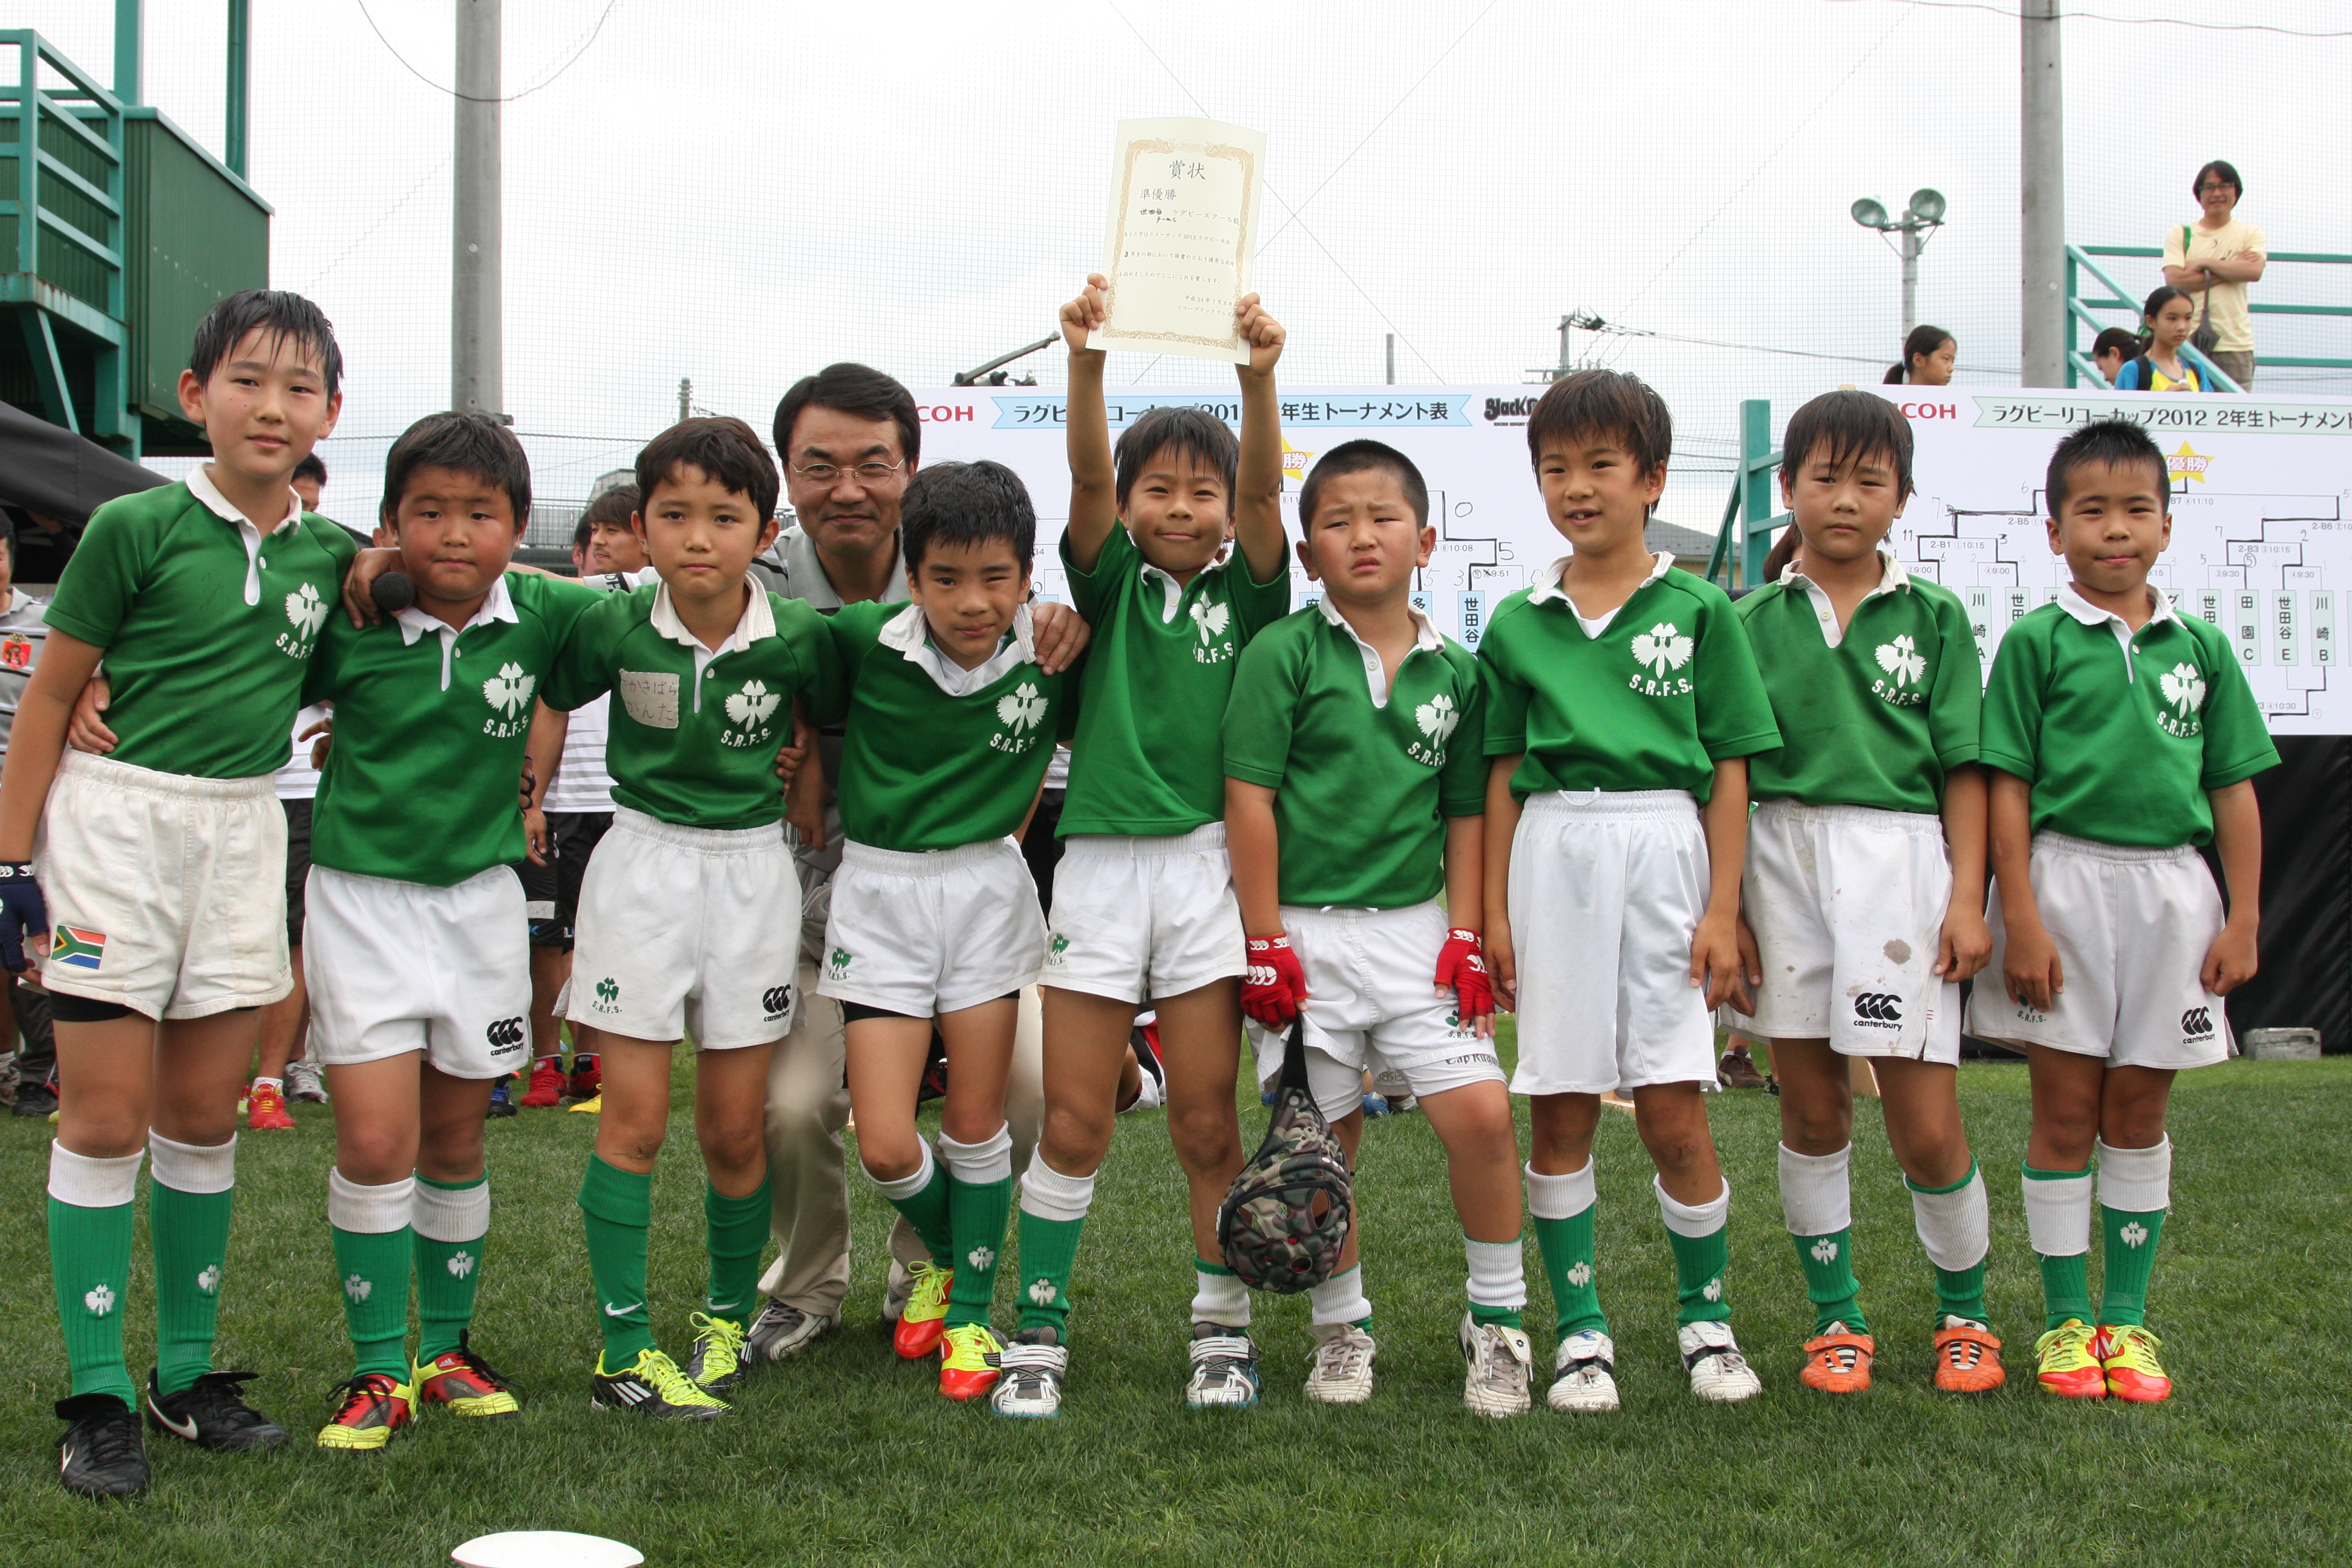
(845, 1456)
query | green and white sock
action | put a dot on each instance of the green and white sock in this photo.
(2058, 1223)
(1499, 1281)
(451, 1221)
(192, 1190)
(1219, 1296)
(1701, 1253)
(980, 1201)
(1053, 1212)
(90, 1263)
(1955, 1231)
(1341, 1300)
(922, 1197)
(734, 1229)
(1817, 1201)
(374, 1247)
(2134, 1190)
(1562, 1205)
(617, 1208)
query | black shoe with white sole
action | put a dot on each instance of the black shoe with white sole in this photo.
(100, 1453)
(212, 1412)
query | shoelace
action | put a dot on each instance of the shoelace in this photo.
(482, 1370)
(214, 1397)
(669, 1381)
(369, 1388)
(1496, 1366)
(716, 1337)
(1221, 1356)
(1343, 1356)
(111, 1440)
(1027, 1367)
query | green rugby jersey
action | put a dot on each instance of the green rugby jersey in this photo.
(2121, 733)
(1667, 690)
(922, 766)
(422, 783)
(695, 732)
(1144, 759)
(207, 623)
(1875, 716)
(1365, 772)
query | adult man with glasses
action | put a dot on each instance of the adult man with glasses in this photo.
(850, 439)
(2214, 259)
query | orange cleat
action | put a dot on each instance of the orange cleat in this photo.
(546, 1085)
(1968, 1358)
(2069, 1361)
(1838, 1362)
(968, 1358)
(2127, 1354)
(266, 1110)
(917, 1333)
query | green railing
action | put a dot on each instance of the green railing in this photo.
(2079, 310)
(1750, 501)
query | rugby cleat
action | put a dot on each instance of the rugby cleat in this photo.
(1224, 1369)
(100, 1453)
(968, 1357)
(924, 1317)
(306, 1081)
(266, 1111)
(1718, 1372)
(502, 1099)
(2067, 1360)
(587, 1079)
(1584, 1373)
(783, 1330)
(653, 1385)
(1497, 1358)
(370, 1409)
(467, 1384)
(1968, 1358)
(901, 1285)
(2127, 1352)
(1342, 1369)
(1837, 1361)
(1033, 1368)
(212, 1414)
(546, 1084)
(716, 1364)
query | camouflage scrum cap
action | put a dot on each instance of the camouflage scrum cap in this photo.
(1285, 1219)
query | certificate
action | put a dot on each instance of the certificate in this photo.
(1184, 221)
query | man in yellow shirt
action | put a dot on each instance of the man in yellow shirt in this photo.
(2217, 256)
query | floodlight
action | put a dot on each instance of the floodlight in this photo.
(1928, 203)
(1869, 211)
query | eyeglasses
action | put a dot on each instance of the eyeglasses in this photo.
(830, 474)
(2214, 188)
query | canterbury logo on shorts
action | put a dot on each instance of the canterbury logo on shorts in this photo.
(775, 999)
(2197, 1023)
(505, 1036)
(1878, 1007)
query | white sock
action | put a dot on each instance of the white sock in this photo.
(88, 1182)
(193, 1167)
(2135, 1181)
(1563, 1197)
(1816, 1194)
(440, 1213)
(1694, 1220)
(1220, 1298)
(1049, 1194)
(1498, 1273)
(906, 1187)
(277, 1083)
(1340, 1300)
(2058, 1214)
(976, 1164)
(370, 1210)
(1954, 1228)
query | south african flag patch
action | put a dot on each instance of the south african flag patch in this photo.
(82, 948)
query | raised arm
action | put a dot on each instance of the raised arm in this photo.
(1094, 489)
(1257, 484)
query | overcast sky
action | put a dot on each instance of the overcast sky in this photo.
(741, 194)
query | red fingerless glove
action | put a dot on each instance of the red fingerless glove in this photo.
(1462, 966)
(1275, 987)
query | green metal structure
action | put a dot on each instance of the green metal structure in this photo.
(117, 231)
(2079, 368)
(1751, 503)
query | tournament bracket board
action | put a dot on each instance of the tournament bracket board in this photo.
(1470, 444)
(2261, 531)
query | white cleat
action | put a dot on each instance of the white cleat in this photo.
(1029, 1380)
(781, 1329)
(895, 1295)
(1718, 1372)
(1583, 1372)
(1224, 1369)
(1342, 1371)
(1497, 1358)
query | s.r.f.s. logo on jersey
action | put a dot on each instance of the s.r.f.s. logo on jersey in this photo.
(1661, 651)
(306, 612)
(1437, 719)
(508, 694)
(1212, 621)
(2183, 687)
(1020, 710)
(1906, 669)
(748, 712)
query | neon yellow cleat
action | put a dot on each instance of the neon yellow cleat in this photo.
(968, 1354)
(2069, 1358)
(2127, 1354)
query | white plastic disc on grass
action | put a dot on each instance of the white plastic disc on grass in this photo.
(545, 1549)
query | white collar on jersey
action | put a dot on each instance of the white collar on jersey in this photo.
(1425, 639)
(201, 486)
(2090, 615)
(1171, 591)
(910, 634)
(1548, 588)
(758, 620)
(1891, 576)
(498, 605)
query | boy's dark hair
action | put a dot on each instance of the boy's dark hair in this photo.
(313, 468)
(1361, 458)
(611, 509)
(2116, 340)
(472, 444)
(966, 503)
(1922, 342)
(2115, 441)
(276, 312)
(725, 448)
(1194, 432)
(1612, 403)
(1853, 425)
(855, 389)
(2226, 170)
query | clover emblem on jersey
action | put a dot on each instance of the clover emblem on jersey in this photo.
(1024, 708)
(2184, 687)
(1437, 718)
(1662, 647)
(305, 610)
(1211, 620)
(749, 708)
(509, 689)
(1902, 659)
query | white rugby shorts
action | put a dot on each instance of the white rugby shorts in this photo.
(404, 967)
(932, 931)
(1847, 904)
(1606, 891)
(166, 893)
(1373, 1003)
(687, 933)
(1139, 918)
(2132, 927)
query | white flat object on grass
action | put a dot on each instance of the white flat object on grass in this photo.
(545, 1549)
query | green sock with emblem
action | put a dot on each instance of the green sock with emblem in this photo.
(373, 1246)
(735, 1230)
(617, 1208)
(1562, 1207)
(2058, 1224)
(2134, 1190)
(980, 1201)
(1702, 1252)
(192, 1190)
(1053, 1212)
(90, 1263)
(452, 1222)
(922, 1198)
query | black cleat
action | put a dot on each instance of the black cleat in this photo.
(101, 1454)
(35, 1100)
(502, 1099)
(211, 1414)
(654, 1384)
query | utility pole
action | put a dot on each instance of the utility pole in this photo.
(685, 399)
(1391, 358)
(126, 51)
(477, 304)
(2042, 186)
(236, 120)
(1910, 280)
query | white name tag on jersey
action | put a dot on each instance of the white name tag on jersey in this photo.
(651, 698)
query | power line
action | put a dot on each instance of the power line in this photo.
(2117, 21)
(471, 98)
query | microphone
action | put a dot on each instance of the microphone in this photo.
(393, 592)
